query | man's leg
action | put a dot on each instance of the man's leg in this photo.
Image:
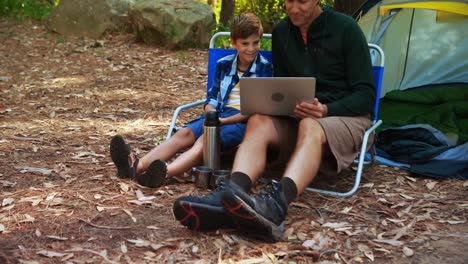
(305, 161)
(263, 133)
(207, 212)
(264, 214)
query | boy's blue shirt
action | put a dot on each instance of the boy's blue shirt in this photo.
(226, 78)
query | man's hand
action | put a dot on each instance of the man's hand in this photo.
(313, 109)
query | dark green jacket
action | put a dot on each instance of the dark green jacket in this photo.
(336, 54)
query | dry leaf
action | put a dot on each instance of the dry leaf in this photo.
(58, 238)
(51, 254)
(7, 201)
(123, 248)
(395, 243)
(130, 214)
(346, 210)
(408, 251)
(124, 187)
(2, 228)
(367, 251)
(430, 185)
(34, 170)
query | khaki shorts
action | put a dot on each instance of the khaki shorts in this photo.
(344, 137)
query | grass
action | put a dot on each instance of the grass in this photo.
(23, 9)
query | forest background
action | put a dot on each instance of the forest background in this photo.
(269, 11)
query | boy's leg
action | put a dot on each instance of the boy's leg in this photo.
(188, 159)
(181, 139)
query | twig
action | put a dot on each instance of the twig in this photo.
(107, 227)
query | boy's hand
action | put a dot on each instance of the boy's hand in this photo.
(313, 109)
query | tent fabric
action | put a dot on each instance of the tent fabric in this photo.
(424, 100)
(421, 46)
(458, 7)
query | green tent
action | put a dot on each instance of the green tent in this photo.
(426, 70)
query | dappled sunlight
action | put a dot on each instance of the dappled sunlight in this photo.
(64, 81)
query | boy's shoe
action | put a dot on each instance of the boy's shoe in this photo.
(121, 156)
(204, 213)
(154, 176)
(262, 215)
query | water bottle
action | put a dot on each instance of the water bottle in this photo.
(211, 140)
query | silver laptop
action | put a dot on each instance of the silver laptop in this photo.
(274, 95)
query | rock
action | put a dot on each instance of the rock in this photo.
(173, 24)
(89, 17)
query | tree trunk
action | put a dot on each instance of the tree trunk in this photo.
(227, 11)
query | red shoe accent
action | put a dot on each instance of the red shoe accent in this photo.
(190, 212)
(233, 210)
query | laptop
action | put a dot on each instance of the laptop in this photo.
(275, 96)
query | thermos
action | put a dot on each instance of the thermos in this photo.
(211, 141)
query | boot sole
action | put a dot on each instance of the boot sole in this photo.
(201, 217)
(154, 176)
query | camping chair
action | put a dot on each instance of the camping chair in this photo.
(214, 54)
(378, 60)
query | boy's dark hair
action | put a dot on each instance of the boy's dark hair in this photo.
(245, 25)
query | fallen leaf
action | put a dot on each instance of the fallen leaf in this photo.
(123, 248)
(34, 170)
(124, 187)
(7, 201)
(408, 251)
(130, 214)
(395, 243)
(58, 238)
(50, 254)
(430, 185)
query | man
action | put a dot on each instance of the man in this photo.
(325, 135)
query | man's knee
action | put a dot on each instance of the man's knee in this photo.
(310, 129)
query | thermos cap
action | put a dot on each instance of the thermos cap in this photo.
(211, 118)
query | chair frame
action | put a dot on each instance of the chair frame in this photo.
(361, 162)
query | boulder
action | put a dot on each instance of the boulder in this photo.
(173, 24)
(90, 17)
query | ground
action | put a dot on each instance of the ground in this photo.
(63, 98)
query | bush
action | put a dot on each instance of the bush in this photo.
(21, 9)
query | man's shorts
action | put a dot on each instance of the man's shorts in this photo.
(231, 135)
(344, 137)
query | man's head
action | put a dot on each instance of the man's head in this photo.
(302, 12)
(245, 25)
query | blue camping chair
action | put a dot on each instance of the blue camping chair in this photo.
(214, 54)
(365, 159)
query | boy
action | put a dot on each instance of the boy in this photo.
(223, 97)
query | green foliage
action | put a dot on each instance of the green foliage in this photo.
(21, 9)
(269, 11)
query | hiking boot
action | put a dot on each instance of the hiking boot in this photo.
(261, 215)
(204, 213)
(154, 176)
(123, 158)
